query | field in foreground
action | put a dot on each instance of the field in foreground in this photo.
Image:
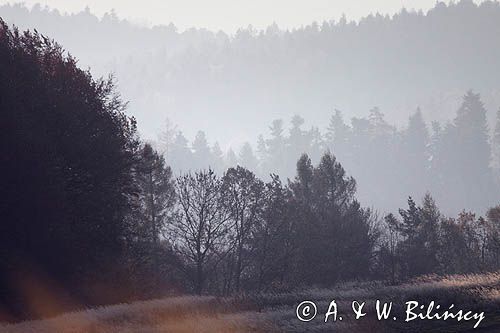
(276, 312)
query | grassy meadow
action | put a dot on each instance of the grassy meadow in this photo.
(276, 312)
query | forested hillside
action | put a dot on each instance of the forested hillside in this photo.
(252, 77)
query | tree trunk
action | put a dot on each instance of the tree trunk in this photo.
(199, 277)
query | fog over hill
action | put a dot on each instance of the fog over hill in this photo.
(233, 86)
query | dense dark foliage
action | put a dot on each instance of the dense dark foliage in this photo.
(66, 154)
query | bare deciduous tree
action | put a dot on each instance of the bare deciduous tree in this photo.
(201, 226)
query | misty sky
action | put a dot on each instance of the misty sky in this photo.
(229, 15)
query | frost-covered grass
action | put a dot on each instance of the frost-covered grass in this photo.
(276, 312)
(178, 314)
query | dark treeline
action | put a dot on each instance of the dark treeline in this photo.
(91, 215)
(236, 233)
(422, 241)
(458, 162)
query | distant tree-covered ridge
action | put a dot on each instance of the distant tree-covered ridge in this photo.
(251, 77)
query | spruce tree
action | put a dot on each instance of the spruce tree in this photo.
(217, 160)
(337, 136)
(180, 156)
(419, 227)
(276, 148)
(262, 156)
(156, 191)
(167, 137)
(415, 156)
(201, 151)
(231, 158)
(467, 152)
(297, 143)
(155, 200)
(247, 157)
